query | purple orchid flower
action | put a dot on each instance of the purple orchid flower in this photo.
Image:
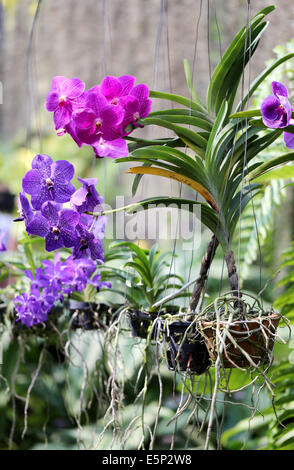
(276, 111)
(33, 309)
(48, 181)
(114, 149)
(87, 198)
(63, 97)
(78, 272)
(98, 119)
(276, 108)
(24, 209)
(38, 281)
(88, 245)
(57, 226)
(96, 282)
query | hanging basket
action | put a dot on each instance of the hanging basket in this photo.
(90, 316)
(186, 349)
(243, 334)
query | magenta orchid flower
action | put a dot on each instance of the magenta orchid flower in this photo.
(62, 99)
(115, 88)
(98, 119)
(137, 105)
(114, 149)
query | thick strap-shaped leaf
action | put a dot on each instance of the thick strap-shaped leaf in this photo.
(246, 114)
(273, 163)
(177, 177)
(139, 252)
(181, 112)
(176, 99)
(285, 172)
(234, 74)
(262, 77)
(136, 143)
(247, 196)
(212, 141)
(259, 123)
(231, 59)
(186, 119)
(178, 130)
(173, 164)
(253, 149)
(175, 156)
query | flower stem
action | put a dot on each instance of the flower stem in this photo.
(112, 211)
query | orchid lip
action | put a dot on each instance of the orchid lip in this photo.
(55, 230)
(49, 183)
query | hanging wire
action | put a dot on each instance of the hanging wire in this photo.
(218, 31)
(247, 40)
(208, 38)
(245, 167)
(29, 86)
(191, 99)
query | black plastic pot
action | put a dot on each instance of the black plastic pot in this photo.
(90, 316)
(189, 354)
(140, 323)
(141, 320)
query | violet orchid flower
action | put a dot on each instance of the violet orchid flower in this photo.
(87, 198)
(88, 245)
(78, 273)
(62, 99)
(33, 309)
(24, 209)
(276, 111)
(48, 181)
(96, 282)
(57, 226)
(38, 281)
